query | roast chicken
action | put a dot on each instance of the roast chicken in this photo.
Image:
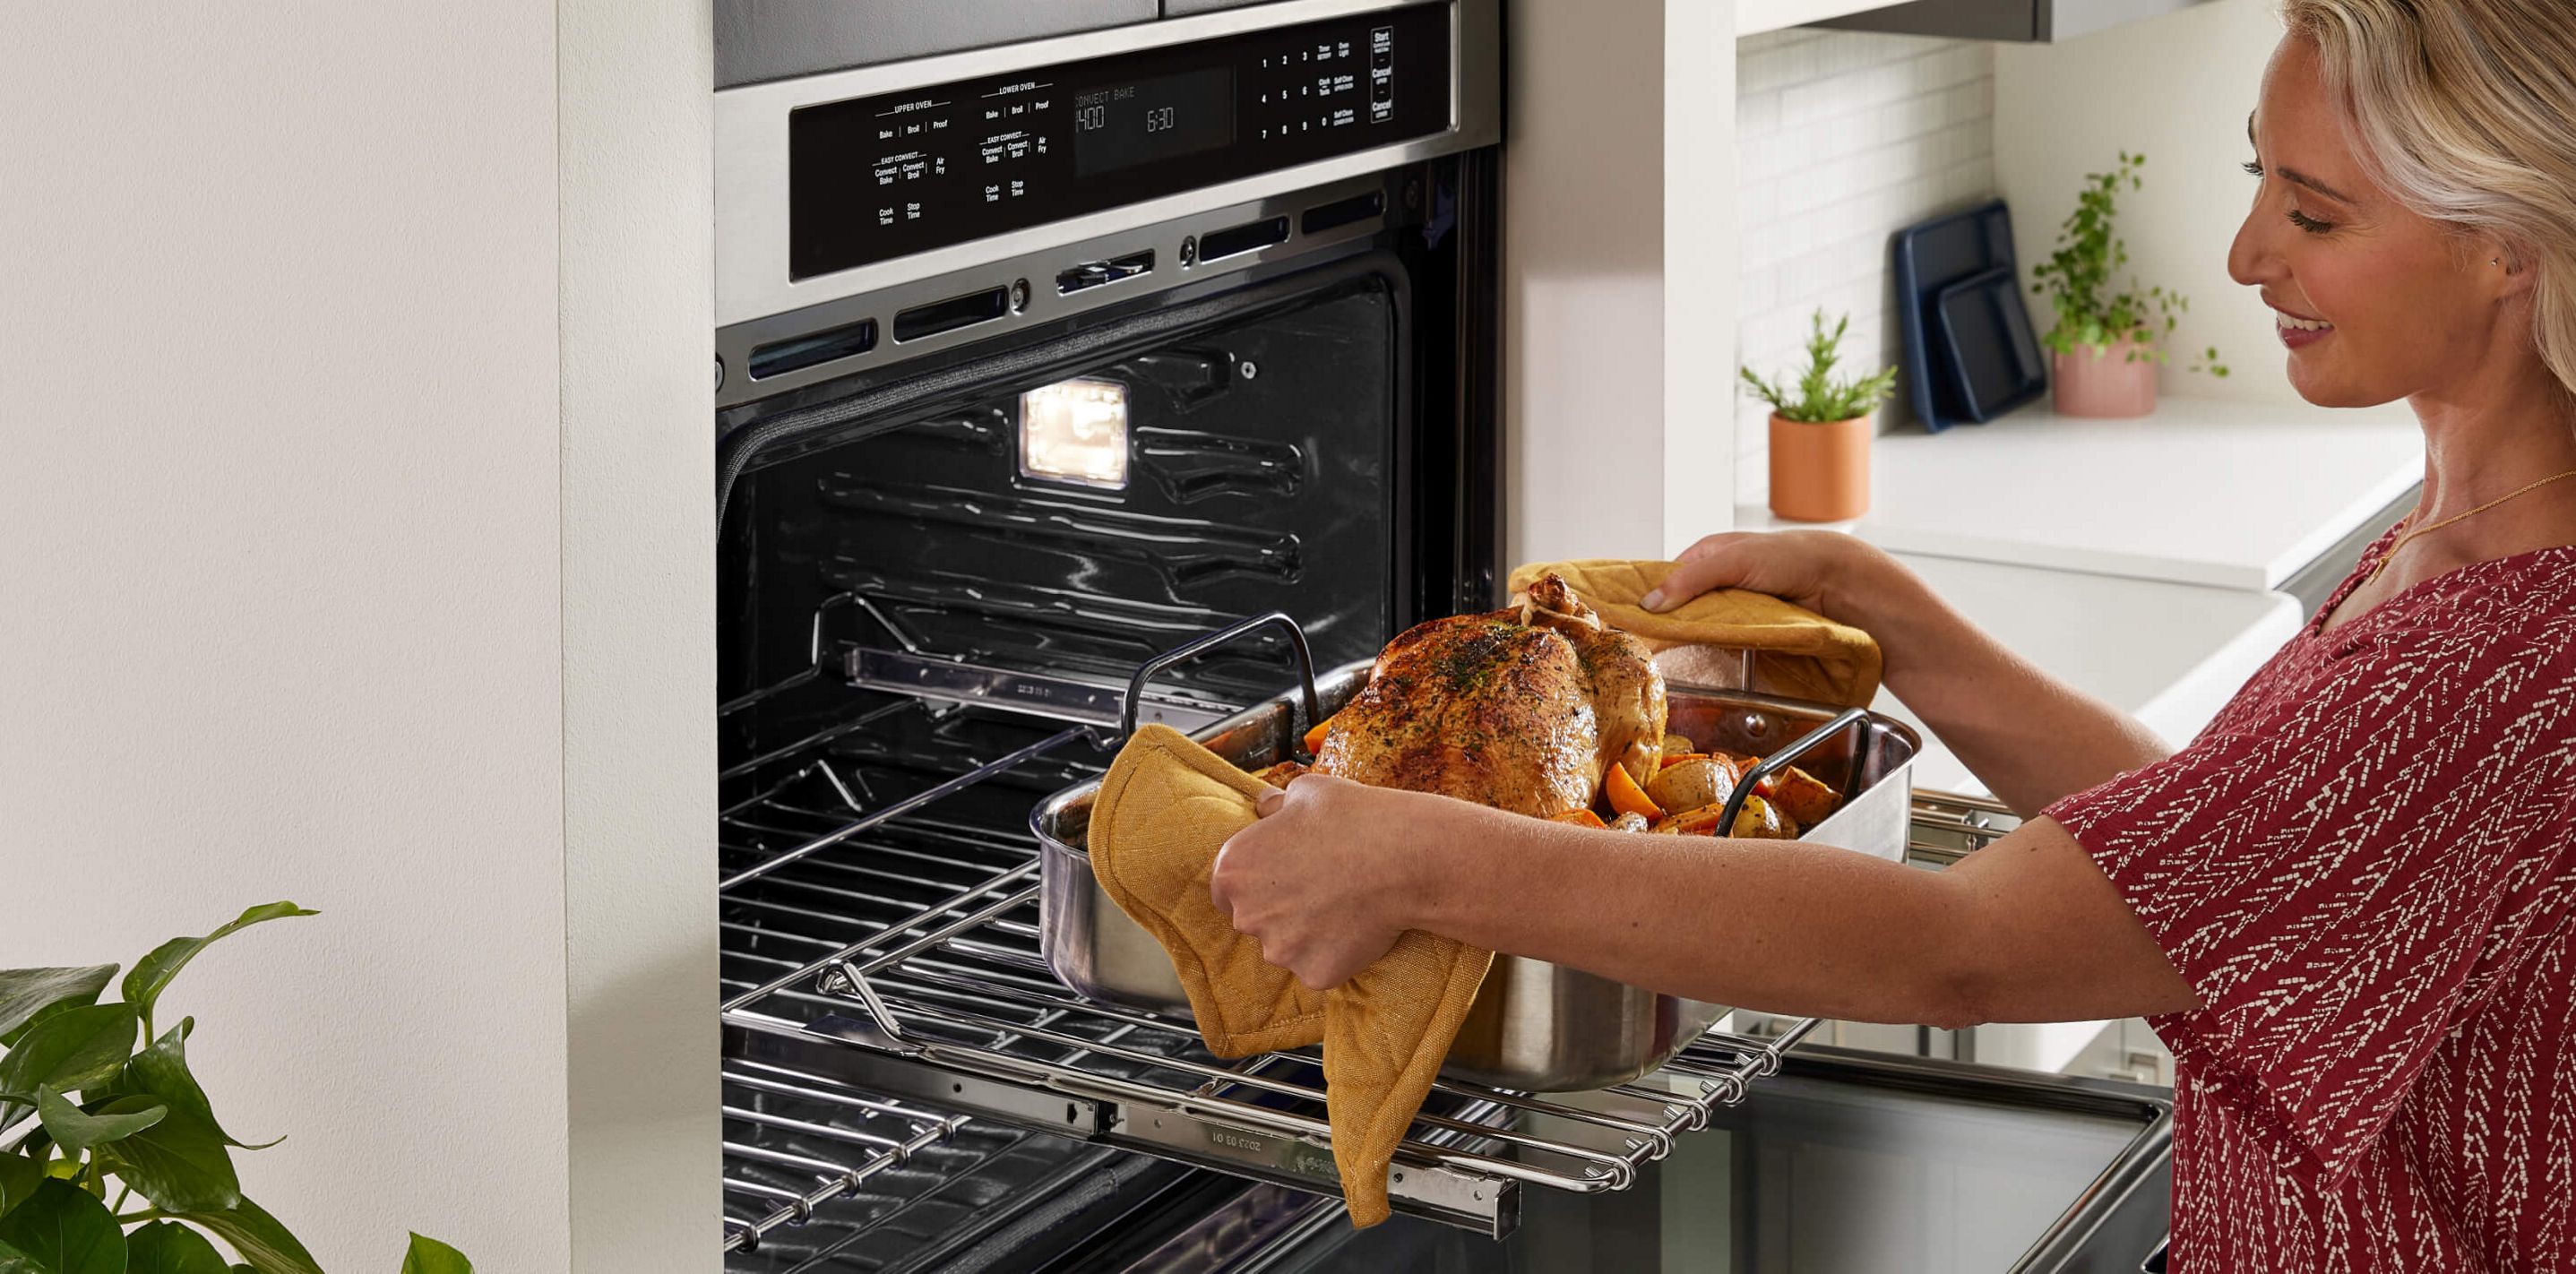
(1524, 709)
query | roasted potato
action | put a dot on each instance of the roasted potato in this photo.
(1629, 823)
(1758, 820)
(1692, 782)
(1676, 745)
(1800, 795)
(1761, 820)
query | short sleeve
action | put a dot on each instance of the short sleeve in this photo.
(2343, 866)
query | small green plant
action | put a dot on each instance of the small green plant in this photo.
(83, 1110)
(2092, 311)
(1818, 398)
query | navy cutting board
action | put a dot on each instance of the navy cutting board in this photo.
(1932, 257)
(1994, 358)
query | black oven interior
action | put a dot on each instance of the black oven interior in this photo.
(1075, 519)
(1036, 514)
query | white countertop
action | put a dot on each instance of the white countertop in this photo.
(2228, 494)
(2168, 654)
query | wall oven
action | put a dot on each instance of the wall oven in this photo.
(1038, 358)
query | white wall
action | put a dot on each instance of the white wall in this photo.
(278, 548)
(2176, 88)
(307, 496)
(1844, 137)
(639, 632)
(1619, 276)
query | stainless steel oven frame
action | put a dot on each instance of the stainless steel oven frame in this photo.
(751, 203)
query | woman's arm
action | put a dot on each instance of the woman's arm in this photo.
(2024, 930)
(2027, 736)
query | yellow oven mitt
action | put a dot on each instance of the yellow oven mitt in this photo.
(1164, 810)
(1798, 653)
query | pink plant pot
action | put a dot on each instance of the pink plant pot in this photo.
(2105, 384)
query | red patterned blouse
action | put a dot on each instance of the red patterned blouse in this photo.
(2366, 866)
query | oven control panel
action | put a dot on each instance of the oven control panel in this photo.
(874, 178)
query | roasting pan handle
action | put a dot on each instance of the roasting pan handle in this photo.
(1782, 759)
(1190, 649)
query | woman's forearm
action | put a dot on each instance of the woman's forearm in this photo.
(1771, 926)
(2027, 736)
(2025, 930)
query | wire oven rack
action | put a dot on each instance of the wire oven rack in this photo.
(890, 955)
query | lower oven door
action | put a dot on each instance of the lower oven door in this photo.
(1848, 1162)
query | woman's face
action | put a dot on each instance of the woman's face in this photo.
(2374, 302)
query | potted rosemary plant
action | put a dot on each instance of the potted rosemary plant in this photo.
(2109, 336)
(1821, 431)
(110, 1157)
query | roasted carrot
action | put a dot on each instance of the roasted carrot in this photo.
(1315, 737)
(1581, 818)
(1628, 798)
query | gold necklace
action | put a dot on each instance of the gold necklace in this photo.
(2402, 540)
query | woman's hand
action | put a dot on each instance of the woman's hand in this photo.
(1827, 572)
(1326, 879)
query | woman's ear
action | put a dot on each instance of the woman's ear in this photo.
(2506, 265)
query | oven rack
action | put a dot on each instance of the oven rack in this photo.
(894, 950)
(986, 932)
(951, 1004)
(836, 1140)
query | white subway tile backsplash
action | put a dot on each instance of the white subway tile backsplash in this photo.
(1757, 113)
(1842, 138)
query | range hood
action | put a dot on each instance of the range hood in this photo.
(2021, 21)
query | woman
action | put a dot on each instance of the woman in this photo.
(2347, 903)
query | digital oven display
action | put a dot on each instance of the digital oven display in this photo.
(874, 178)
(1130, 124)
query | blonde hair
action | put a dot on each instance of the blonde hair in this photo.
(2465, 111)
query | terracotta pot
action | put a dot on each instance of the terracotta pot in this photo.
(2106, 384)
(1820, 472)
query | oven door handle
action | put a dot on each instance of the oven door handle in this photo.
(1193, 647)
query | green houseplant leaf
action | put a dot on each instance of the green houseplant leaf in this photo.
(167, 1247)
(152, 973)
(65, 1230)
(2096, 308)
(162, 1071)
(76, 1130)
(262, 1242)
(1818, 397)
(26, 992)
(179, 1163)
(429, 1256)
(67, 1052)
(19, 1177)
(13, 1261)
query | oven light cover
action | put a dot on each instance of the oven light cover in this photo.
(1075, 431)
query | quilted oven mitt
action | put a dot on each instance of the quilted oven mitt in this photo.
(1799, 653)
(1164, 810)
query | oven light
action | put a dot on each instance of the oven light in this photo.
(1075, 431)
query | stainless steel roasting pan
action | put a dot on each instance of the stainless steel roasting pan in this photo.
(1535, 1027)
